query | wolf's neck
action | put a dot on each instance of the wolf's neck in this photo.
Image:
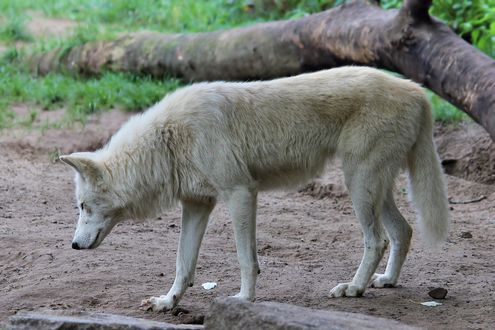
(142, 176)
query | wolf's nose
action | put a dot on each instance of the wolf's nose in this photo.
(75, 246)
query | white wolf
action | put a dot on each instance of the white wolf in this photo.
(228, 141)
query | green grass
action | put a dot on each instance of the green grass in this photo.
(15, 30)
(132, 15)
(444, 111)
(78, 95)
(99, 20)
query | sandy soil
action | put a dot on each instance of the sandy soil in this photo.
(308, 241)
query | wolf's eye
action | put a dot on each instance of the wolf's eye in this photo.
(82, 206)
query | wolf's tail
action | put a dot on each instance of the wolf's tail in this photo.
(426, 183)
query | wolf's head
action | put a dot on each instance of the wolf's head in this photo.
(99, 210)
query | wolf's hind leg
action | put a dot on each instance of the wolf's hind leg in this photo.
(366, 188)
(194, 220)
(399, 232)
(242, 207)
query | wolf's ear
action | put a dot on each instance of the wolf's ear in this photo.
(83, 163)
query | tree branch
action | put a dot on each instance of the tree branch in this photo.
(417, 9)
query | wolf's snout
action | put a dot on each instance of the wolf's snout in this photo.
(76, 246)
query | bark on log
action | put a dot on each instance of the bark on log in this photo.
(407, 41)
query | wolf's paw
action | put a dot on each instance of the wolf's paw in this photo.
(382, 281)
(346, 290)
(243, 297)
(158, 304)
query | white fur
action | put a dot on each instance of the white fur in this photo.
(231, 140)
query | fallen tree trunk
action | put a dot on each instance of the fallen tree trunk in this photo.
(407, 41)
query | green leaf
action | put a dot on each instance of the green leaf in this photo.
(466, 27)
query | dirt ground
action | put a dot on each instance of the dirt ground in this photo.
(308, 241)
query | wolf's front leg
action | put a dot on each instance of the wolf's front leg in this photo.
(194, 220)
(242, 208)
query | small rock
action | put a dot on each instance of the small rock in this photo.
(438, 293)
(466, 234)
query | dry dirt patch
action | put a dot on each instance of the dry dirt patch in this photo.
(308, 241)
(42, 139)
(42, 26)
(467, 152)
